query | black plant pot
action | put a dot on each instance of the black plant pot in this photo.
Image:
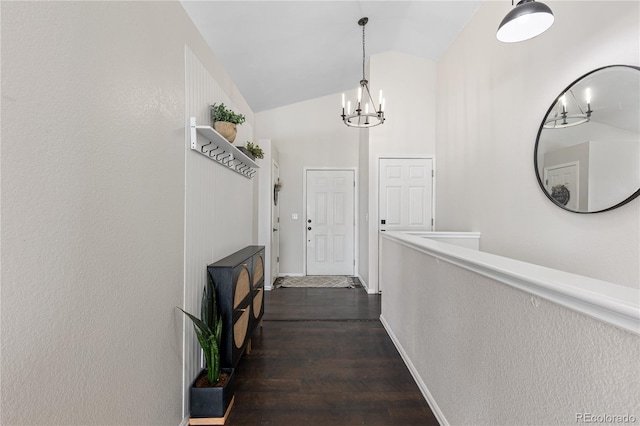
(211, 402)
(247, 152)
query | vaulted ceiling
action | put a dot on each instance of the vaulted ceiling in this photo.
(283, 52)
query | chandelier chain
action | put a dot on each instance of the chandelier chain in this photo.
(363, 52)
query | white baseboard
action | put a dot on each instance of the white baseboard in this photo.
(185, 422)
(416, 376)
(366, 286)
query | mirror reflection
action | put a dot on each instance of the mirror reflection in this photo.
(587, 155)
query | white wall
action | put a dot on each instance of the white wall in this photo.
(306, 134)
(363, 207)
(409, 87)
(492, 97)
(486, 353)
(219, 208)
(614, 171)
(93, 235)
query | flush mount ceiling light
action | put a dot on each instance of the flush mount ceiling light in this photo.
(527, 20)
(358, 117)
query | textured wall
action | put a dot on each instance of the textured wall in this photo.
(492, 97)
(93, 210)
(493, 355)
(218, 203)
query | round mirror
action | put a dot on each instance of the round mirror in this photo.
(587, 154)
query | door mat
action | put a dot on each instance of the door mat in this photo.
(320, 281)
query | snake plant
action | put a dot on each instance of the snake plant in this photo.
(208, 329)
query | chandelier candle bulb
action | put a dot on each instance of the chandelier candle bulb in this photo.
(343, 102)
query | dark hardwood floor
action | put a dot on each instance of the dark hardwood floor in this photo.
(322, 357)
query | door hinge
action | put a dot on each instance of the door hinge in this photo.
(431, 221)
(433, 173)
(278, 259)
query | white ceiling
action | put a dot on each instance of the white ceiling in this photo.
(282, 52)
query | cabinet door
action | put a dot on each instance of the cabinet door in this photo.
(258, 287)
(241, 308)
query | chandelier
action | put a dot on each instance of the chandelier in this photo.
(561, 117)
(369, 116)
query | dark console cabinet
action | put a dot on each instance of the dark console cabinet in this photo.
(239, 283)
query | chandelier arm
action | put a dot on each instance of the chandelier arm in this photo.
(576, 100)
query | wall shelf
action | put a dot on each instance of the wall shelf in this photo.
(214, 146)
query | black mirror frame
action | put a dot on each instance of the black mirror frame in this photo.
(535, 149)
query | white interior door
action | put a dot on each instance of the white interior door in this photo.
(275, 222)
(406, 194)
(567, 175)
(330, 222)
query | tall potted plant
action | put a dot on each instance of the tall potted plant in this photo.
(211, 393)
(225, 121)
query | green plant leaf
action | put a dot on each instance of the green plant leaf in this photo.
(196, 322)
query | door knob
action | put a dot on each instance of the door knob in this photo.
(275, 229)
(309, 229)
(309, 220)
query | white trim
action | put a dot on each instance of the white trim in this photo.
(435, 409)
(611, 303)
(427, 234)
(356, 221)
(185, 422)
(366, 286)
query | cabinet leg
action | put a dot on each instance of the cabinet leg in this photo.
(248, 349)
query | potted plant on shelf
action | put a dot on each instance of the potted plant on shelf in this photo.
(211, 393)
(225, 121)
(252, 151)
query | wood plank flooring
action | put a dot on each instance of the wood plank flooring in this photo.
(322, 357)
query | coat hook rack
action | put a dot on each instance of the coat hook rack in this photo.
(223, 152)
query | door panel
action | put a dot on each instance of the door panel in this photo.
(330, 226)
(406, 191)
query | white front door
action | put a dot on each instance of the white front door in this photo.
(405, 194)
(275, 222)
(567, 175)
(330, 222)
